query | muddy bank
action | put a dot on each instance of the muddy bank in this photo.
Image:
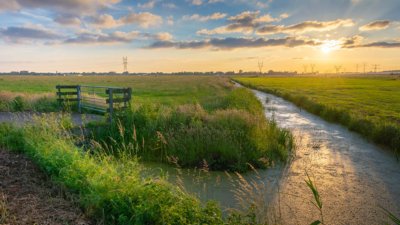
(27, 196)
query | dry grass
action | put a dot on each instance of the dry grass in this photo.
(3, 209)
(8, 96)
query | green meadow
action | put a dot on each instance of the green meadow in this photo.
(154, 89)
(369, 106)
(195, 122)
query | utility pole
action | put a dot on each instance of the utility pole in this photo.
(125, 63)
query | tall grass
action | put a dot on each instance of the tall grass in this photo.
(110, 190)
(229, 138)
(17, 102)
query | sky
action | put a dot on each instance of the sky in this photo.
(199, 35)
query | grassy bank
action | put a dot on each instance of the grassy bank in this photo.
(369, 106)
(228, 137)
(110, 190)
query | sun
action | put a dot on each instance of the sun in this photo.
(329, 46)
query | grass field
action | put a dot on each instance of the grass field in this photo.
(154, 89)
(370, 106)
(202, 122)
(194, 118)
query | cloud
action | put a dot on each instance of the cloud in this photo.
(197, 2)
(307, 26)
(67, 20)
(162, 36)
(244, 22)
(197, 17)
(357, 42)
(100, 38)
(104, 21)
(377, 25)
(382, 44)
(148, 5)
(9, 5)
(116, 37)
(201, 2)
(169, 5)
(70, 6)
(170, 20)
(144, 20)
(27, 34)
(234, 43)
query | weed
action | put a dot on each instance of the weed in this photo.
(317, 199)
(3, 209)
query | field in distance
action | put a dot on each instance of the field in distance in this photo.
(154, 89)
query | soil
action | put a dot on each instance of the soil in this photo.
(28, 196)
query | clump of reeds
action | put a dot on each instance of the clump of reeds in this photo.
(44, 102)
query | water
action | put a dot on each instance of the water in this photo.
(354, 177)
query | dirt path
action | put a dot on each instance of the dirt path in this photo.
(27, 196)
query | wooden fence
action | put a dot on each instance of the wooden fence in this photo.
(96, 98)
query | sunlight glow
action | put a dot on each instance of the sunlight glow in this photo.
(329, 46)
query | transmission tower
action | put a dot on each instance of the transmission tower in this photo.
(305, 68)
(338, 68)
(260, 66)
(365, 65)
(376, 67)
(312, 68)
(125, 63)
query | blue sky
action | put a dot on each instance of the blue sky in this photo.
(197, 35)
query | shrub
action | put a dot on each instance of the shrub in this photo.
(228, 139)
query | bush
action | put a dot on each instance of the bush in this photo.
(227, 139)
(19, 104)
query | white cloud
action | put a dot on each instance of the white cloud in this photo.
(148, 5)
(197, 17)
(144, 20)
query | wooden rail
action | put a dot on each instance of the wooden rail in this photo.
(97, 98)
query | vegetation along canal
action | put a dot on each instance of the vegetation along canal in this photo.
(355, 178)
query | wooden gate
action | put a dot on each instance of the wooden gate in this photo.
(95, 98)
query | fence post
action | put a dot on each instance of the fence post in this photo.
(78, 91)
(110, 102)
